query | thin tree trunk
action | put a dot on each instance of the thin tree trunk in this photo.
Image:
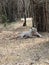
(24, 11)
(24, 24)
(46, 14)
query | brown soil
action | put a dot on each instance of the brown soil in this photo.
(31, 51)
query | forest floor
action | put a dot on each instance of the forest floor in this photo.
(31, 51)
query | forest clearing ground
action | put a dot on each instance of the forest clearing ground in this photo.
(31, 51)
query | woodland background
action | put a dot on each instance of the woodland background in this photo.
(13, 15)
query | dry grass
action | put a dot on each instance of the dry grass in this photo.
(31, 51)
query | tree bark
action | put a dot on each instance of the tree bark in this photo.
(24, 24)
(24, 11)
(40, 16)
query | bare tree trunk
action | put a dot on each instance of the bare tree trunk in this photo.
(46, 13)
(24, 11)
(24, 24)
(33, 14)
(39, 15)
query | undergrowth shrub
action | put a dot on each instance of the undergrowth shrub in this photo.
(4, 19)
